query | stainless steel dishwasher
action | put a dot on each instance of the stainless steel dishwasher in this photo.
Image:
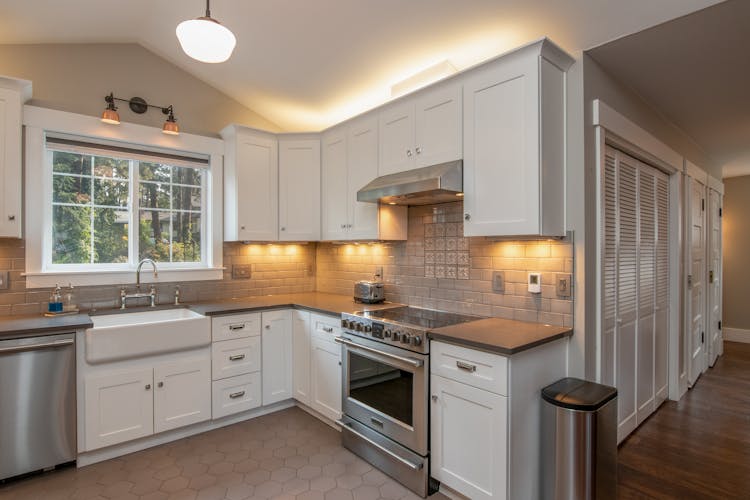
(37, 403)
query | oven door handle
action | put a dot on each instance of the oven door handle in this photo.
(416, 363)
(380, 447)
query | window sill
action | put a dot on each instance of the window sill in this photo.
(120, 277)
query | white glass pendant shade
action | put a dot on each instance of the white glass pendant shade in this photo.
(206, 40)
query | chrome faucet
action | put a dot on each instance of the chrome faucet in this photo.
(124, 296)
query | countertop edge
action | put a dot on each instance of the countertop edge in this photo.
(497, 349)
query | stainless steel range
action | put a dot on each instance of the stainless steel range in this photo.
(385, 373)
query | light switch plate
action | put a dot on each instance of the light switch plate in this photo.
(498, 281)
(563, 282)
(241, 271)
(4, 280)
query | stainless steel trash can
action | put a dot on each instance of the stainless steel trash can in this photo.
(579, 441)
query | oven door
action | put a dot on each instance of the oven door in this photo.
(385, 388)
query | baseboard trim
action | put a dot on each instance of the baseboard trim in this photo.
(737, 335)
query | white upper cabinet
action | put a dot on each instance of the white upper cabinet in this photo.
(13, 93)
(514, 144)
(299, 189)
(350, 161)
(251, 177)
(421, 130)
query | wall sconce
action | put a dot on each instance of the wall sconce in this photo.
(139, 105)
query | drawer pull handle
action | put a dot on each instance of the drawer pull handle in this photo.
(236, 357)
(466, 366)
(236, 328)
(328, 329)
(236, 395)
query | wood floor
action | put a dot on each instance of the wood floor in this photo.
(698, 447)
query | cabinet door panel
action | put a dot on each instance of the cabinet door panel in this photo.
(335, 195)
(326, 377)
(119, 407)
(396, 138)
(299, 190)
(501, 149)
(257, 187)
(469, 439)
(277, 356)
(362, 168)
(439, 126)
(183, 393)
(10, 163)
(301, 357)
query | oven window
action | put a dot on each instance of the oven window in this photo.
(382, 387)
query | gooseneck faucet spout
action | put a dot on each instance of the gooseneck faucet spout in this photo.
(138, 271)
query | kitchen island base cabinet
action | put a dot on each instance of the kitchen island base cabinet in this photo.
(276, 347)
(469, 438)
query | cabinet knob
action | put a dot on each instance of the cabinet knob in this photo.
(419, 151)
(268, 327)
(283, 229)
(11, 217)
(160, 384)
(408, 153)
(467, 216)
(349, 226)
(148, 387)
(343, 226)
(242, 227)
(434, 397)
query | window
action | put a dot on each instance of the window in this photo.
(112, 207)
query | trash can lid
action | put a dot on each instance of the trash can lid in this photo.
(576, 394)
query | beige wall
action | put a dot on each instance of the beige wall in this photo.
(76, 77)
(736, 242)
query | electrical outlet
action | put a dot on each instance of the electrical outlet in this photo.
(535, 283)
(4, 280)
(498, 281)
(241, 271)
(563, 285)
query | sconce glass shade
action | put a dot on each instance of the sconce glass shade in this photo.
(206, 40)
(111, 116)
(170, 126)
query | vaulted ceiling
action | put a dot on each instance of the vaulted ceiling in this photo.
(308, 64)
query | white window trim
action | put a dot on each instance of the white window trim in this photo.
(38, 186)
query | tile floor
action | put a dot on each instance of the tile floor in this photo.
(284, 455)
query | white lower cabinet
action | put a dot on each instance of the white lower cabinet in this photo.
(301, 356)
(277, 356)
(326, 373)
(182, 394)
(132, 403)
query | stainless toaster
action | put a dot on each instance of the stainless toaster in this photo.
(369, 292)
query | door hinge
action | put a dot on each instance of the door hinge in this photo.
(703, 337)
(703, 205)
(719, 324)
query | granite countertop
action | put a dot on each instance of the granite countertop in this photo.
(326, 303)
(22, 326)
(501, 336)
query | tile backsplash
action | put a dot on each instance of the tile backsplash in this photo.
(436, 268)
(417, 271)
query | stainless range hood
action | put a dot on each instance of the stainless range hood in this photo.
(423, 186)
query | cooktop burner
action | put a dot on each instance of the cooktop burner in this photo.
(418, 317)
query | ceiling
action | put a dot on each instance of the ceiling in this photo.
(696, 71)
(306, 65)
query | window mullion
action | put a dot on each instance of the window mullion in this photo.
(134, 232)
(171, 213)
(91, 212)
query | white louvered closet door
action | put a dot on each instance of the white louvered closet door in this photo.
(635, 298)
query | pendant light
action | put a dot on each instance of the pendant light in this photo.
(205, 39)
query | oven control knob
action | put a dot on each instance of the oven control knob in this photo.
(406, 338)
(368, 328)
(358, 327)
(416, 340)
(387, 334)
(396, 336)
(344, 323)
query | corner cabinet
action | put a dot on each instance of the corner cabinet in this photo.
(299, 189)
(13, 94)
(349, 162)
(251, 185)
(514, 143)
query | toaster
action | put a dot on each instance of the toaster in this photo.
(369, 292)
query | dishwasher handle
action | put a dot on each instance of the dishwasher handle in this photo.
(34, 347)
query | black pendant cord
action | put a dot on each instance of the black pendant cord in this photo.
(208, 8)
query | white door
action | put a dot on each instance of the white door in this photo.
(326, 375)
(469, 439)
(697, 280)
(10, 163)
(439, 126)
(299, 190)
(182, 393)
(334, 193)
(396, 138)
(277, 356)
(257, 187)
(501, 149)
(362, 167)
(646, 291)
(119, 407)
(301, 356)
(714, 276)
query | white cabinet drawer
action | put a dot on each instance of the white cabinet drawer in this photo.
(235, 326)
(235, 357)
(236, 394)
(325, 327)
(476, 368)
